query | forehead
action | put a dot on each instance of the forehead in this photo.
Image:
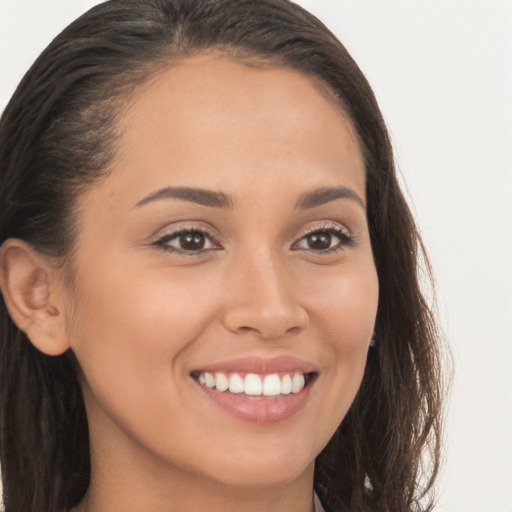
(208, 101)
(217, 78)
(212, 122)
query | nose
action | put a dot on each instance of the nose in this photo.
(263, 300)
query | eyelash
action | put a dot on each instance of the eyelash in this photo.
(344, 237)
(163, 242)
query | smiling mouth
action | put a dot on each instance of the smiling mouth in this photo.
(254, 385)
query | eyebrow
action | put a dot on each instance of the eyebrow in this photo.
(321, 196)
(313, 199)
(193, 195)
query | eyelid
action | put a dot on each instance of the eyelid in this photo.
(187, 224)
(326, 226)
(162, 238)
(346, 238)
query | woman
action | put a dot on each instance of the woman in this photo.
(209, 273)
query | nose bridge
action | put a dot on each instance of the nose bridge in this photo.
(267, 279)
(263, 298)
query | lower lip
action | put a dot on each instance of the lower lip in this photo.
(258, 410)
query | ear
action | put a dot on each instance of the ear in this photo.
(33, 296)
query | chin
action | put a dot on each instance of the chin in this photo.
(260, 470)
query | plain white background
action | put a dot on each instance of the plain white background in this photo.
(442, 71)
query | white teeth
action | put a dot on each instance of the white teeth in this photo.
(297, 382)
(236, 384)
(272, 385)
(253, 384)
(286, 385)
(221, 382)
(209, 380)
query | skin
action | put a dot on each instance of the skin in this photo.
(140, 317)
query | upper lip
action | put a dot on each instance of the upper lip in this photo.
(259, 365)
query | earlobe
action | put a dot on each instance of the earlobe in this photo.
(26, 280)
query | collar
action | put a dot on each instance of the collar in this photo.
(317, 506)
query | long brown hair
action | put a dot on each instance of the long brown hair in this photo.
(57, 137)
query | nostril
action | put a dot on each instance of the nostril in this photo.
(269, 321)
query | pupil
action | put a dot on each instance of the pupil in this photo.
(319, 241)
(192, 241)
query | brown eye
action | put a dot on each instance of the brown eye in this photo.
(319, 241)
(187, 241)
(194, 241)
(328, 239)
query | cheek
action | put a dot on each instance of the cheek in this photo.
(130, 302)
(344, 306)
(130, 328)
(344, 314)
(351, 329)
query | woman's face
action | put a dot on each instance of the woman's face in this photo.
(228, 247)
